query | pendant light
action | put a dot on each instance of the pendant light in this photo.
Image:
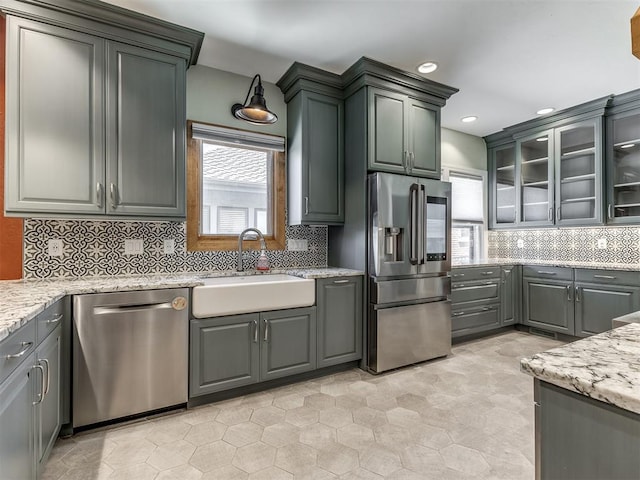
(256, 110)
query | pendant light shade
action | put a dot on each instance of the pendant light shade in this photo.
(256, 110)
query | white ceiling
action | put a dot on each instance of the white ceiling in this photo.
(509, 58)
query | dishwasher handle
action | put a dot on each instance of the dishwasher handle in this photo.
(178, 303)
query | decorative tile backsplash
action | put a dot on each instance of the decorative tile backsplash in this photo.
(96, 248)
(568, 244)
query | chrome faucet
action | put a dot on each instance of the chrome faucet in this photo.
(263, 245)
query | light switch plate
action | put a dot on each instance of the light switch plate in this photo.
(602, 243)
(54, 246)
(169, 246)
(297, 245)
(133, 246)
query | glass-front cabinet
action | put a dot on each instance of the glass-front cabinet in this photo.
(535, 155)
(624, 168)
(578, 173)
(505, 186)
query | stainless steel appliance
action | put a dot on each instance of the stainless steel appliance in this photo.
(130, 353)
(409, 263)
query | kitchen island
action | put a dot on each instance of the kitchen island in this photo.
(587, 401)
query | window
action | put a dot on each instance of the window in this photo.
(468, 213)
(235, 180)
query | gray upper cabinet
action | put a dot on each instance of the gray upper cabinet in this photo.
(95, 112)
(55, 120)
(404, 134)
(339, 320)
(623, 159)
(145, 125)
(549, 171)
(315, 153)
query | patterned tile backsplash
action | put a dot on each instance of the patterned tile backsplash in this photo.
(96, 248)
(568, 244)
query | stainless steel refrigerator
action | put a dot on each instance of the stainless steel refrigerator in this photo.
(409, 259)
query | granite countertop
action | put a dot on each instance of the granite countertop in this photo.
(551, 263)
(604, 367)
(22, 300)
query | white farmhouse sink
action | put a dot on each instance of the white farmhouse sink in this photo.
(251, 293)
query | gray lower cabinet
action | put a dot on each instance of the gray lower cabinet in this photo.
(510, 294)
(475, 319)
(17, 423)
(339, 303)
(239, 350)
(597, 305)
(475, 300)
(119, 146)
(548, 304)
(48, 406)
(579, 438)
(32, 393)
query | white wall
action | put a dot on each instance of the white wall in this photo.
(211, 92)
(463, 150)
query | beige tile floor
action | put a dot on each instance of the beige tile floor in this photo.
(467, 416)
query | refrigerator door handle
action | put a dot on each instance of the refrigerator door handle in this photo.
(422, 232)
(414, 224)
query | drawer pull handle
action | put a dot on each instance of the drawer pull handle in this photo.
(605, 277)
(457, 314)
(341, 281)
(544, 272)
(458, 275)
(569, 293)
(487, 273)
(54, 319)
(488, 283)
(486, 309)
(266, 330)
(459, 286)
(255, 331)
(578, 294)
(42, 385)
(26, 346)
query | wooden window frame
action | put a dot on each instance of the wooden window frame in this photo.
(198, 242)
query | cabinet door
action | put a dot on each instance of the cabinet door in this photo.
(54, 125)
(549, 305)
(503, 186)
(597, 305)
(475, 319)
(146, 132)
(508, 295)
(288, 340)
(323, 159)
(17, 459)
(578, 153)
(387, 131)
(49, 409)
(623, 161)
(424, 139)
(339, 303)
(535, 155)
(224, 353)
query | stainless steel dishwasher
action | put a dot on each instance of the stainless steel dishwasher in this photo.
(130, 353)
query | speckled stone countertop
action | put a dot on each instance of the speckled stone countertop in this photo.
(551, 263)
(604, 367)
(22, 300)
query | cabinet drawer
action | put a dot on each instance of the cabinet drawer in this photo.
(474, 291)
(16, 347)
(47, 321)
(607, 277)
(474, 273)
(476, 319)
(552, 273)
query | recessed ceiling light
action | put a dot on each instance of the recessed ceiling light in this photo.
(470, 118)
(628, 145)
(544, 111)
(427, 67)
(542, 139)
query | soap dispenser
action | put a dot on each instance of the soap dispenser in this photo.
(263, 262)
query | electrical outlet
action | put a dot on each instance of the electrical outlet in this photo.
(169, 246)
(133, 246)
(297, 245)
(602, 243)
(55, 247)
(520, 243)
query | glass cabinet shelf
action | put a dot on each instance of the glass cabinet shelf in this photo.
(578, 178)
(577, 200)
(506, 167)
(535, 203)
(534, 184)
(535, 160)
(579, 153)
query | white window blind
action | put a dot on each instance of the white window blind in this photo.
(231, 137)
(468, 200)
(232, 220)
